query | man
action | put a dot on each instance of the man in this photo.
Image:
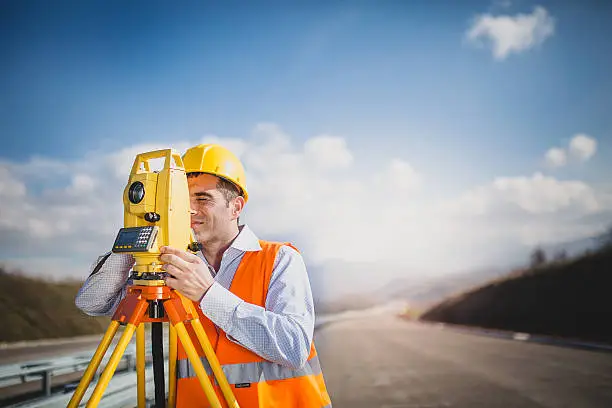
(255, 296)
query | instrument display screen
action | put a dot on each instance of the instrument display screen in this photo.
(135, 239)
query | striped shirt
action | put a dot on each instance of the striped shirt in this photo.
(281, 332)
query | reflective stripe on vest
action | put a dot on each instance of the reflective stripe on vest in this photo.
(252, 372)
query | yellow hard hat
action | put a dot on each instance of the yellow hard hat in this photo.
(216, 160)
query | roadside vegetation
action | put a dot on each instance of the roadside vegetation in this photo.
(33, 309)
(561, 297)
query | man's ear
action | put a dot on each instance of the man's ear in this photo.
(237, 206)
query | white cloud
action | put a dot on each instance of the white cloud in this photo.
(530, 210)
(540, 194)
(556, 157)
(399, 177)
(10, 187)
(303, 191)
(328, 152)
(508, 34)
(82, 183)
(533, 195)
(583, 147)
(335, 205)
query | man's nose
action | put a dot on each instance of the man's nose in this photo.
(192, 202)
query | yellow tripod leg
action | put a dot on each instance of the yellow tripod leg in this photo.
(214, 362)
(198, 367)
(140, 365)
(172, 356)
(93, 365)
(175, 308)
(113, 362)
(209, 352)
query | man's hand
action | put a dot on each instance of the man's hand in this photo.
(190, 274)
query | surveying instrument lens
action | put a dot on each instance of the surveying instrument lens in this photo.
(136, 192)
(162, 217)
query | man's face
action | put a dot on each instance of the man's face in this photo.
(211, 217)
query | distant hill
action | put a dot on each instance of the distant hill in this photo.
(567, 298)
(573, 248)
(423, 291)
(36, 309)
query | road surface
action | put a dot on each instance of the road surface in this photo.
(39, 350)
(382, 361)
(386, 362)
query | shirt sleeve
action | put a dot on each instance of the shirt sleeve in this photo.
(106, 284)
(282, 331)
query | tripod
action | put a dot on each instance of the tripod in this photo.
(147, 303)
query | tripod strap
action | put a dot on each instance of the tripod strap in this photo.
(157, 353)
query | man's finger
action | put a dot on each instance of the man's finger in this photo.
(173, 270)
(174, 260)
(173, 283)
(181, 254)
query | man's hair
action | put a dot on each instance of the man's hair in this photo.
(226, 187)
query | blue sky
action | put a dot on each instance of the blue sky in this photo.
(91, 74)
(390, 78)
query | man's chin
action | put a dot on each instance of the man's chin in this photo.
(200, 236)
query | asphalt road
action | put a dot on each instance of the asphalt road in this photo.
(38, 350)
(19, 353)
(383, 361)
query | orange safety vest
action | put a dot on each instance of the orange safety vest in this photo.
(255, 382)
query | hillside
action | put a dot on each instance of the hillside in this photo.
(36, 309)
(566, 298)
(424, 291)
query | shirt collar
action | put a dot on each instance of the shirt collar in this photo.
(246, 240)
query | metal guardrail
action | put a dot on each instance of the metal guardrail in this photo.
(120, 392)
(22, 373)
(45, 370)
